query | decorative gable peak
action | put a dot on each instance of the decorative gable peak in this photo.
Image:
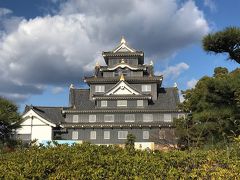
(122, 88)
(123, 47)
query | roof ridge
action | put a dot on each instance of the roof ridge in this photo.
(79, 89)
(47, 106)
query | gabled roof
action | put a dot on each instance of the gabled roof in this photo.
(123, 50)
(123, 65)
(51, 114)
(123, 47)
(168, 100)
(122, 88)
(110, 80)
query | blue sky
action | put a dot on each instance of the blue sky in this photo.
(47, 45)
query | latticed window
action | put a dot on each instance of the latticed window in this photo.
(145, 134)
(103, 103)
(129, 117)
(167, 118)
(75, 135)
(121, 103)
(75, 118)
(122, 134)
(146, 88)
(147, 117)
(109, 117)
(92, 118)
(93, 134)
(140, 103)
(99, 88)
(106, 134)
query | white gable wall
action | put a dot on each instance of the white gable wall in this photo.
(35, 126)
(122, 89)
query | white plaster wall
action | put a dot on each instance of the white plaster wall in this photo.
(24, 130)
(39, 129)
(41, 133)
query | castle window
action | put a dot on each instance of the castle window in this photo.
(75, 135)
(167, 118)
(121, 103)
(145, 134)
(103, 103)
(146, 88)
(129, 117)
(75, 118)
(122, 134)
(99, 88)
(92, 118)
(106, 134)
(109, 118)
(147, 117)
(93, 134)
(162, 134)
(140, 103)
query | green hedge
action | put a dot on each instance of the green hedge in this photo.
(101, 162)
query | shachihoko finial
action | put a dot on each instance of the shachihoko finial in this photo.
(151, 63)
(97, 64)
(123, 41)
(122, 78)
(71, 86)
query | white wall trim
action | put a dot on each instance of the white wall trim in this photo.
(32, 113)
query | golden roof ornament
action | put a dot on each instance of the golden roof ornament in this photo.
(122, 78)
(123, 41)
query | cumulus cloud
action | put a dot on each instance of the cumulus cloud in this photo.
(59, 49)
(5, 11)
(174, 71)
(192, 83)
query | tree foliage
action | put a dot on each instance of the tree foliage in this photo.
(86, 161)
(129, 145)
(226, 41)
(9, 119)
(214, 106)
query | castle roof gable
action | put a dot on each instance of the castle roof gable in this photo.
(123, 88)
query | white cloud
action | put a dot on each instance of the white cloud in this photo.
(5, 11)
(60, 49)
(211, 5)
(192, 83)
(57, 90)
(174, 71)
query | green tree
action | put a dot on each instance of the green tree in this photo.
(226, 41)
(9, 120)
(129, 145)
(214, 106)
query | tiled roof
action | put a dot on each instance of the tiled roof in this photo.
(138, 67)
(79, 99)
(168, 100)
(149, 79)
(51, 114)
